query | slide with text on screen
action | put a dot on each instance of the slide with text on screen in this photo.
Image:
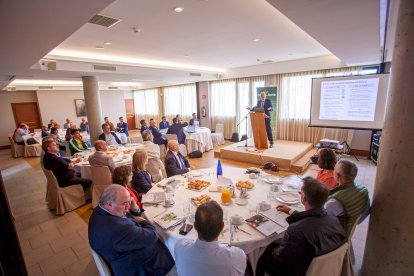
(354, 102)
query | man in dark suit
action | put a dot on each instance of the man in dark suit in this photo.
(194, 119)
(311, 233)
(266, 104)
(130, 245)
(108, 136)
(156, 133)
(62, 168)
(177, 128)
(164, 123)
(122, 127)
(143, 125)
(175, 162)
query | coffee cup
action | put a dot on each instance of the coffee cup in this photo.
(236, 219)
(252, 176)
(274, 188)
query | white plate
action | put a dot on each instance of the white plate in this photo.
(237, 224)
(241, 201)
(288, 198)
(273, 180)
(195, 174)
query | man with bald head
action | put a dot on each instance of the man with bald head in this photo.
(175, 162)
(130, 245)
(99, 158)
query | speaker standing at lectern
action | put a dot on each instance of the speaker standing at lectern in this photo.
(266, 104)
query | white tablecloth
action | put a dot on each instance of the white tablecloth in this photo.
(253, 245)
(84, 168)
(200, 140)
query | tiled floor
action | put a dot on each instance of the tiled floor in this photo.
(58, 245)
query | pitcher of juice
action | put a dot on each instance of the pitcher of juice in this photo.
(226, 195)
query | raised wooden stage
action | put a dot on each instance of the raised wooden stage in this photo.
(287, 155)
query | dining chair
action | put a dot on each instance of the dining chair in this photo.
(154, 168)
(16, 150)
(351, 234)
(183, 148)
(136, 140)
(101, 264)
(63, 199)
(218, 136)
(33, 150)
(330, 263)
(101, 179)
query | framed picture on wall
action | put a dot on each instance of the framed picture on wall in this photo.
(80, 107)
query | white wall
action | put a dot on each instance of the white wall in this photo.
(7, 123)
(361, 140)
(113, 105)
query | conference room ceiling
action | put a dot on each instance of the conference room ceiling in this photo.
(209, 39)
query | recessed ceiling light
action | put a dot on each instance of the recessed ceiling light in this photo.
(107, 43)
(256, 40)
(178, 9)
(186, 56)
(136, 29)
(290, 54)
(99, 47)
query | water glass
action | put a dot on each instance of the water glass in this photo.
(270, 196)
(252, 209)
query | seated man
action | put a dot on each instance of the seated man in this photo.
(177, 128)
(19, 134)
(143, 125)
(122, 127)
(76, 144)
(51, 124)
(62, 168)
(130, 245)
(100, 158)
(84, 126)
(109, 137)
(67, 124)
(206, 256)
(349, 200)
(311, 233)
(110, 124)
(152, 149)
(164, 123)
(194, 120)
(180, 120)
(156, 133)
(175, 162)
(45, 131)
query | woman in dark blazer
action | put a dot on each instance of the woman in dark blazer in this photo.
(141, 179)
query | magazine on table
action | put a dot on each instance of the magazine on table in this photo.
(269, 222)
(168, 220)
(153, 197)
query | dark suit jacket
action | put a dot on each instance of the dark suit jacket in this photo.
(177, 129)
(267, 104)
(143, 128)
(157, 136)
(192, 122)
(310, 233)
(59, 166)
(102, 137)
(141, 181)
(164, 124)
(122, 128)
(172, 167)
(129, 247)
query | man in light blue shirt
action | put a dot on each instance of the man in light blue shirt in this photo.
(206, 256)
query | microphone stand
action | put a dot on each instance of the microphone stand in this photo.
(245, 144)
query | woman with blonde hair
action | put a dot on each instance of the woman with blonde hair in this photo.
(121, 176)
(327, 162)
(141, 179)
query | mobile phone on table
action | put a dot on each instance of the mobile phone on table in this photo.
(185, 229)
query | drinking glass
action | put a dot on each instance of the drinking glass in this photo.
(270, 196)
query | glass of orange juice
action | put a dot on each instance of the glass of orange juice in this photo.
(226, 195)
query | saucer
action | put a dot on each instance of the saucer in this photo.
(237, 224)
(241, 201)
(227, 203)
(168, 205)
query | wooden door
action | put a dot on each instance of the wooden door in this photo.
(27, 113)
(130, 113)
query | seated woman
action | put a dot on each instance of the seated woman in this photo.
(327, 162)
(54, 131)
(76, 144)
(121, 176)
(141, 179)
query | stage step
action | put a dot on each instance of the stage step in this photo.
(303, 163)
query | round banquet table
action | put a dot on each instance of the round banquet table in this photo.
(199, 140)
(84, 168)
(255, 243)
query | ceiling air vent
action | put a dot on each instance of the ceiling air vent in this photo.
(112, 87)
(267, 61)
(11, 88)
(104, 67)
(102, 20)
(45, 87)
(195, 74)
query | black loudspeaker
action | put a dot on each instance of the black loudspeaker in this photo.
(235, 137)
(244, 137)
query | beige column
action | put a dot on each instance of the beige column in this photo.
(93, 106)
(390, 242)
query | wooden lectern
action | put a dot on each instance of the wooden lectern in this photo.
(259, 130)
